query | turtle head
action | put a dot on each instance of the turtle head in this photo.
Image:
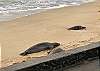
(56, 44)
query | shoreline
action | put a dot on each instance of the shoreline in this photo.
(19, 34)
(40, 10)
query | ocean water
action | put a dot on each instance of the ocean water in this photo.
(11, 9)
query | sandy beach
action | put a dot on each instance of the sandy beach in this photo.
(49, 26)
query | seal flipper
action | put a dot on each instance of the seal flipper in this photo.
(23, 54)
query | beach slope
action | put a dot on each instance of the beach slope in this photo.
(19, 34)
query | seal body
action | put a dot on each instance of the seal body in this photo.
(40, 47)
(77, 28)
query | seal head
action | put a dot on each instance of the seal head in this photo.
(56, 44)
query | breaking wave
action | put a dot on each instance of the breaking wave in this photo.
(16, 8)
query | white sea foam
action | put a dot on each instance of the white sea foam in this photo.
(16, 8)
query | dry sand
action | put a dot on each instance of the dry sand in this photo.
(19, 34)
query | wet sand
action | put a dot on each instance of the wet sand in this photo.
(20, 34)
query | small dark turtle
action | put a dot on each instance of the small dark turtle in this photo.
(77, 28)
(40, 47)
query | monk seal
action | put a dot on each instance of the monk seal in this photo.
(40, 47)
(77, 28)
